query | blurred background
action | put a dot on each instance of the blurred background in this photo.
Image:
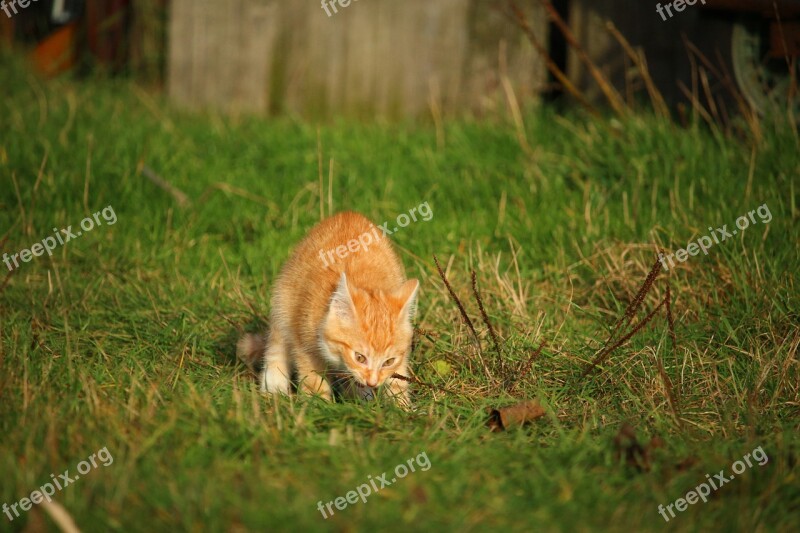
(420, 57)
(560, 143)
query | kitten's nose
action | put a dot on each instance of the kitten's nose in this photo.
(372, 383)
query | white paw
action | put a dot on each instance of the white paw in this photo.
(274, 381)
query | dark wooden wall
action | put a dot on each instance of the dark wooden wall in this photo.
(411, 57)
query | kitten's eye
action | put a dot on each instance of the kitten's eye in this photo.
(389, 362)
(361, 359)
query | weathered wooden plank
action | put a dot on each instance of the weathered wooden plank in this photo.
(378, 57)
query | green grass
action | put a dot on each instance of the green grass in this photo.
(124, 338)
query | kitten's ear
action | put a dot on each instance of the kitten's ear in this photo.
(341, 300)
(407, 294)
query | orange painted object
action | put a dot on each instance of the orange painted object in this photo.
(56, 54)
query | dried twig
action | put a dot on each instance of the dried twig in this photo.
(726, 79)
(673, 400)
(605, 353)
(668, 386)
(236, 191)
(463, 312)
(697, 106)
(626, 318)
(633, 307)
(670, 320)
(608, 90)
(638, 60)
(160, 182)
(486, 320)
(522, 22)
(464, 317)
(529, 364)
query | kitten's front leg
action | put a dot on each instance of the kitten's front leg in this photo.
(398, 391)
(311, 379)
(275, 377)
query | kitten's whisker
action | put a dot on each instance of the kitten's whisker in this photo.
(418, 382)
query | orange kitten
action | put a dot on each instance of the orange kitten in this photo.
(341, 308)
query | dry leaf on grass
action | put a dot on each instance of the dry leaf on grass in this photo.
(514, 415)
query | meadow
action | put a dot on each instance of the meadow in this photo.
(123, 340)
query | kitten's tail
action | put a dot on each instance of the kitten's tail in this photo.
(250, 350)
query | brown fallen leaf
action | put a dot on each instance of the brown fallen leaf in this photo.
(514, 415)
